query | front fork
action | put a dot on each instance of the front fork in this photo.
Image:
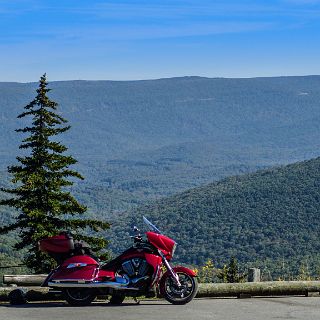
(169, 268)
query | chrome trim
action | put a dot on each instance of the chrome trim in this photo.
(174, 249)
(156, 276)
(68, 284)
(76, 265)
(73, 280)
(170, 270)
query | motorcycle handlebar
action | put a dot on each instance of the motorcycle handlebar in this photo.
(137, 238)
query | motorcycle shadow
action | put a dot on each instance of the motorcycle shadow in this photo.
(62, 304)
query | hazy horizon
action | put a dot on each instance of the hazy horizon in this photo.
(164, 78)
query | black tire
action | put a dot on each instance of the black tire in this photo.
(17, 297)
(182, 295)
(79, 296)
(117, 299)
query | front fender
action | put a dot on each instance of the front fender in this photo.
(178, 269)
(188, 271)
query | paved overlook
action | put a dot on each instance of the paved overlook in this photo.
(217, 309)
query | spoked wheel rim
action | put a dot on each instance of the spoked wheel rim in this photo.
(79, 294)
(182, 293)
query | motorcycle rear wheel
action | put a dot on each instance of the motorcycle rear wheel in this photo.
(183, 294)
(79, 296)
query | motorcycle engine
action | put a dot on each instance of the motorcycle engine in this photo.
(135, 268)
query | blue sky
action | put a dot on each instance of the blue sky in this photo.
(145, 39)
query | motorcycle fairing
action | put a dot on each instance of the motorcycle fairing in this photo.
(155, 262)
(162, 242)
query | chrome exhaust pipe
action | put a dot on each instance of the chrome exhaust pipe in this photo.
(76, 284)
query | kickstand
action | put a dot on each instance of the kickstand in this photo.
(136, 300)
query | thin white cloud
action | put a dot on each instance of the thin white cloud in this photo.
(136, 32)
(164, 11)
(124, 20)
(175, 31)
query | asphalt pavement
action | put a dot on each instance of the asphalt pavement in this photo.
(230, 308)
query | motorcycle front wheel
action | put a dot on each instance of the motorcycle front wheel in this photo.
(79, 296)
(179, 295)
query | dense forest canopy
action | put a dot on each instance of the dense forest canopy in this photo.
(271, 215)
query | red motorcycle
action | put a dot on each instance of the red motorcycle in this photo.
(138, 271)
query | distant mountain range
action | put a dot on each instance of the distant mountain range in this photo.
(157, 137)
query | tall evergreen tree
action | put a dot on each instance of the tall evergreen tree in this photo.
(42, 176)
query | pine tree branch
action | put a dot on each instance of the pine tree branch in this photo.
(11, 227)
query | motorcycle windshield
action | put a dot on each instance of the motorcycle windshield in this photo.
(151, 225)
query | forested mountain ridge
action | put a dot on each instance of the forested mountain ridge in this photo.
(122, 117)
(163, 136)
(268, 219)
(271, 215)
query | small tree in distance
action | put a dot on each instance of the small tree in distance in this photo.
(230, 273)
(45, 206)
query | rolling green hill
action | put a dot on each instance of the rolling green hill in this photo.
(268, 219)
(271, 215)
